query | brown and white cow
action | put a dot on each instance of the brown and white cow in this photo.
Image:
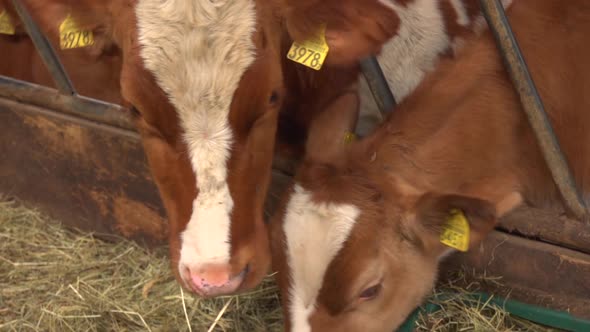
(207, 79)
(210, 80)
(357, 241)
(427, 30)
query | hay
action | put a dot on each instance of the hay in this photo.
(53, 279)
(460, 311)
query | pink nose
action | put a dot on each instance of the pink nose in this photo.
(211, 276)
(214, 280)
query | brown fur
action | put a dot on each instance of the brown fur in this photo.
(354, 30)
(460, 141)
(93, 74)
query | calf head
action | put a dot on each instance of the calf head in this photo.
(357, 248)
(206, 80)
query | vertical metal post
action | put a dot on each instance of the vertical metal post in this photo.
(47, 53)
(533, 107)
(378, 84)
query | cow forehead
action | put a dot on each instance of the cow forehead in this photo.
(198, 51)
(315, 233)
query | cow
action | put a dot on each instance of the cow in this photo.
(205, 83)
(358, 238)
(210, 83)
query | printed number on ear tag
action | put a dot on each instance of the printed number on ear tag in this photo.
(72, 36)
(312, 52)
(6, 27)
(455, 233)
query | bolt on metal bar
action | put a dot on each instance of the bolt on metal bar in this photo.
(45, 50)
(533, 107)
(378, 84)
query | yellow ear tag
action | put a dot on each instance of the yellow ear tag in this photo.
(72, 36)
(455, 233)
(349, 137)
(312, 52)
(6, 27)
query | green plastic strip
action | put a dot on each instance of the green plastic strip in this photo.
(556, 319)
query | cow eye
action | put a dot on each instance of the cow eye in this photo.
(274, 97)
(371, 292)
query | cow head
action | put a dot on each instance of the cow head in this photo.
(356, 248)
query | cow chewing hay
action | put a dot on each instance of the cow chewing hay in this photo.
(54, 279)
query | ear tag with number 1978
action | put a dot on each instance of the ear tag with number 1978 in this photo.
(311, 52)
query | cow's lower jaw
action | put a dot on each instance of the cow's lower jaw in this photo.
(213, 280)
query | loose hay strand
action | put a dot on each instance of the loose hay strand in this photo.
(219, 315)
(188, 322)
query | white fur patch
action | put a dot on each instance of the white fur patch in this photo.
(198, 51)
(416, 48)
(414, 51)
(406, 58)
(314, 233)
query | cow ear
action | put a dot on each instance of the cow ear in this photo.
(332, 130)
(12, 18)
(355, 29)
(445, 223)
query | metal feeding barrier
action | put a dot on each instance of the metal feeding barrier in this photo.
(378, 84)
(533, 107)
(66, 99)
(494, 14)
(50, 59)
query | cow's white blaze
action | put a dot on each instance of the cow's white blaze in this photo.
(198, 51)
(315, 233)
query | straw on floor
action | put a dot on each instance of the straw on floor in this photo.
(55, 279)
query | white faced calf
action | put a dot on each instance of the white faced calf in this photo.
(357, 241)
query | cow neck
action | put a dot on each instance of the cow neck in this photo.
(459, 133)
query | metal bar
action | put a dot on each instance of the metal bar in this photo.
(83, 107)
(45, 50)
(533, 107)
(378, 84)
